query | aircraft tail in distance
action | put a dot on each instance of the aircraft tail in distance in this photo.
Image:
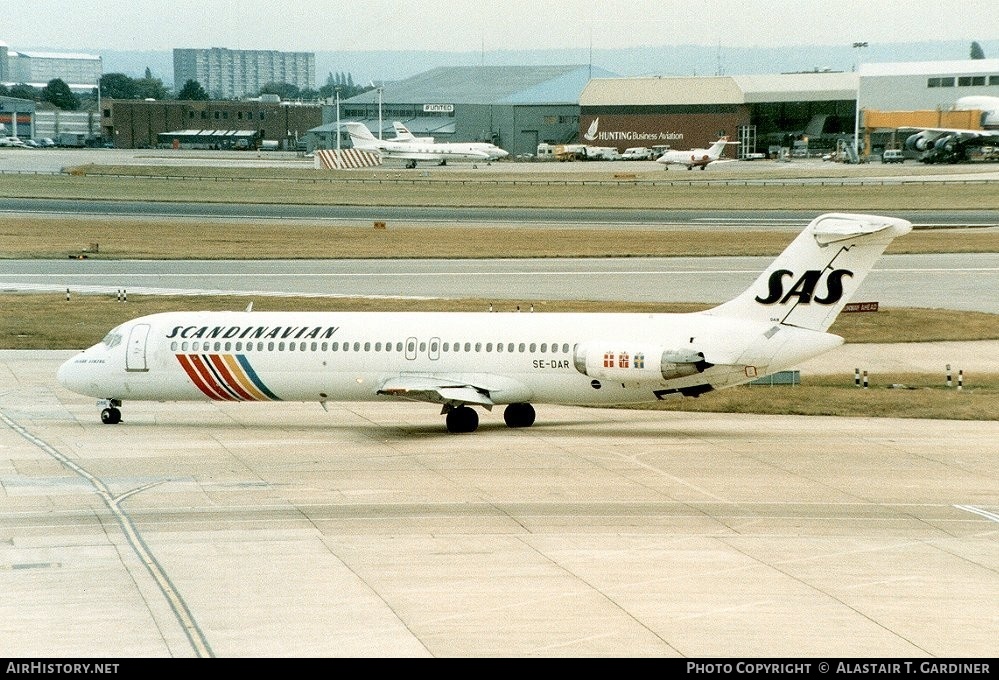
(817, 274)
(360, 135)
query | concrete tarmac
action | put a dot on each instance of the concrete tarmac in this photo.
(280, 530)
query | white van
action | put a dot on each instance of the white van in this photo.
(637, 153)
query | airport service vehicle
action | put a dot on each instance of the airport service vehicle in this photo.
(637, 153)
(463, 361)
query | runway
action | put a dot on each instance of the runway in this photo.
(280, 530)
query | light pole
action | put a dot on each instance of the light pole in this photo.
(856, 117)
(380, 88)
(338, 119)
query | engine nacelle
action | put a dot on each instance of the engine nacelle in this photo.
(636, 362)
(945, 143)
(918, 142)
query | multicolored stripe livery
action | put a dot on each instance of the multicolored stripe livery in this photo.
(225, 377)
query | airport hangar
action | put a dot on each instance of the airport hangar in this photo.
(517, 107)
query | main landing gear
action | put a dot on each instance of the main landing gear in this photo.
(111, 414)
(465, 419)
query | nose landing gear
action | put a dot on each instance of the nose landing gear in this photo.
(111, 414)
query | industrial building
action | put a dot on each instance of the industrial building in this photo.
(514, 107)
(760, 111)
(233, 74)
(17, 117)
(133, 124)
(81, 72)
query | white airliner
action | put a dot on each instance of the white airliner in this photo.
(414, 150)
(463, 360)
(695, 158)
(950, 145)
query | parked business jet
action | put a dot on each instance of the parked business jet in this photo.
(696, 158)
(950, 145)
(413, 150)
(463, 360)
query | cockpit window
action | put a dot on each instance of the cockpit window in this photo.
(112, 339)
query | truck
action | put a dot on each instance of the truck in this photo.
(570, 152)
(602, 153)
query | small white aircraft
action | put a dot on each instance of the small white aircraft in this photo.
(413, 150)
(463, 360)
(696, 158)
(950, 145)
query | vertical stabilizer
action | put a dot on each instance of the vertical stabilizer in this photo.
(817, 274)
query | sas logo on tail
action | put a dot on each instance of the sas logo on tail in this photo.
(804, 287)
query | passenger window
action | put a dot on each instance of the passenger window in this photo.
(314, 346)
(411, 347)
(468, 347)
(489, 347)
(433, 346)
(509, 347)
(239, 347)
(544, 347)
(521, 347)
(270, 346)
(446, 347)
(423, 347)
(367, 347)
(534, 347)
(478, 347)
(398, 347)
(281, 346)
(378, 347)
(357, 347)
(499, 346)
(173, 346)
(335, 346)
(260, 347)
(565, 348)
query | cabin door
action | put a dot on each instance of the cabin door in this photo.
(135, 353)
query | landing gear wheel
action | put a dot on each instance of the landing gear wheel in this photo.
(111, 416)
(519, 415)
(462, 419)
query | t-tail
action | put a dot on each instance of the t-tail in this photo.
(718, 148)
(360, 135)
(808, 285)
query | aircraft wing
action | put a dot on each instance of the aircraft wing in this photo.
(435, 390)
(481, 389)
(963, 134)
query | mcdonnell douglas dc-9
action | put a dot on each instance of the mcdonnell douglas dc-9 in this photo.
(463, 361)
(416, 149)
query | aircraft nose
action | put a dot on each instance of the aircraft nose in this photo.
(72, 374)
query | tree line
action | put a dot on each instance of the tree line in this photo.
(120, 86)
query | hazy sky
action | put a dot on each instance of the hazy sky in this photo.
(472, 25)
